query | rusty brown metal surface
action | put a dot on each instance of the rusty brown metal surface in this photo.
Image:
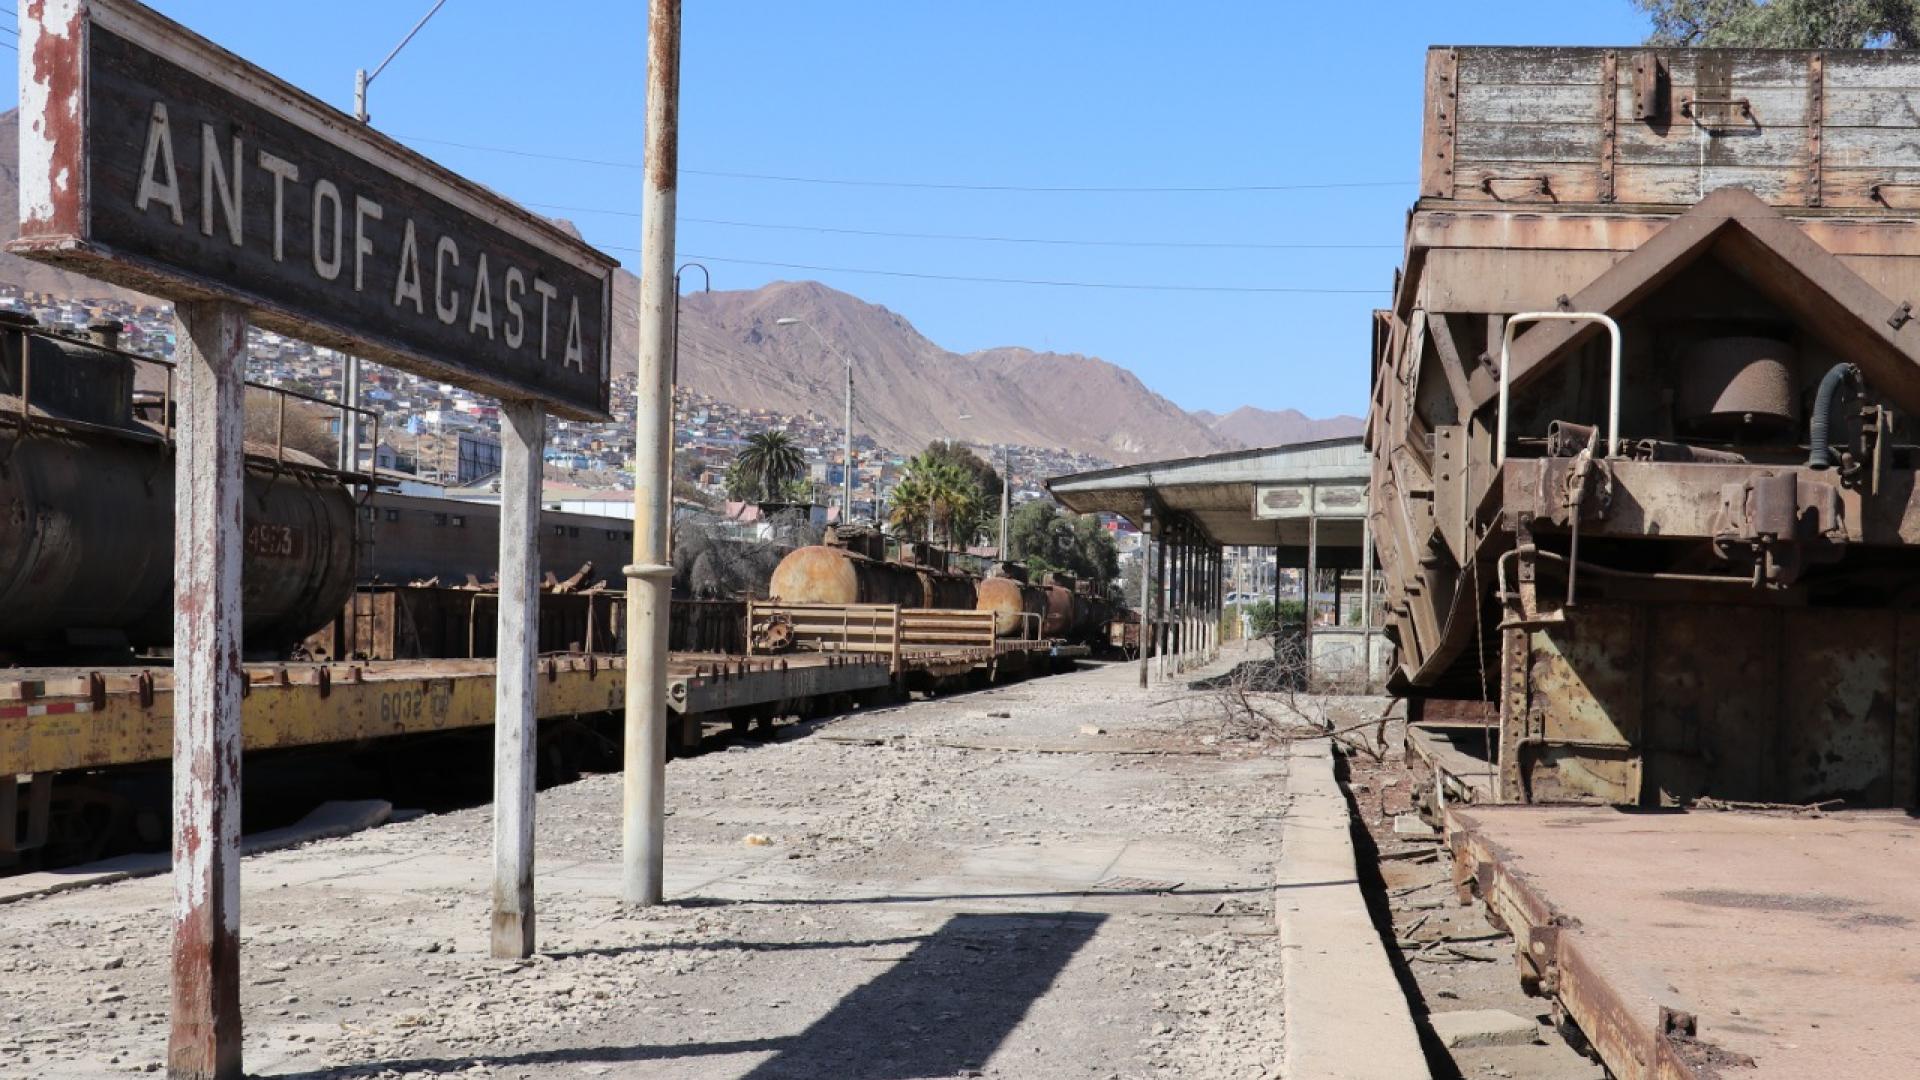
(1732, 945)
(1805, 279)
(415, 622)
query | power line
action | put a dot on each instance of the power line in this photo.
(1074, 189)
(9, 47)
(1056, 283)
(1209, 245)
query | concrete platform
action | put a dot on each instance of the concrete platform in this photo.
(1704, 944)
(1347, 1016)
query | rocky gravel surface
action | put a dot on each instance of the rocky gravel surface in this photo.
(1066, 877)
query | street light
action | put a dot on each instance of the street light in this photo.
(846, 468)
(350, 392)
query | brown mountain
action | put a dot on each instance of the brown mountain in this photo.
(909, 390)
(1249, 426)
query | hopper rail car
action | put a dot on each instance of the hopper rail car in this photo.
(1645, 434)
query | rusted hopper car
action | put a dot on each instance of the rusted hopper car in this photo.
(1643, 422)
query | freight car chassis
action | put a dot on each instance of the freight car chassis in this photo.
(61, 721)
(67, 721)
(924, 646)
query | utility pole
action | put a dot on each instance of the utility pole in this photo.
(643, 791)
(847, 454)
(1006, 500)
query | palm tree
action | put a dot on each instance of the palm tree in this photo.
(938, 498)
(910, 505)
(770, 462)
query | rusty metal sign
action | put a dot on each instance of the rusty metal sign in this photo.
(154, 159)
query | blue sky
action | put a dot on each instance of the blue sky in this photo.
(1054, 94)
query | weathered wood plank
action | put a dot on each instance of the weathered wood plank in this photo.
(1874, 107)
(1744, 70)
(1729, 147)
(523, 431)
(1529, 66)
(1527, 142)
(1748, 68)
(1437, 128)
(207, 179)
(1536, 182)
(1506, 103)
(1872, 68)
(1886, 188)
(1871, 147)
(1681, 185)
(204, 1040)
(1771, 107)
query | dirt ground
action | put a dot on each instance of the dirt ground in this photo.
(1068, 877)
(1451, 957)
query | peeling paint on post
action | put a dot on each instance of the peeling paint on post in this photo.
(523, 437)
(204, 1041)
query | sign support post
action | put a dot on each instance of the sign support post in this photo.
(211, 356)
(523, 436)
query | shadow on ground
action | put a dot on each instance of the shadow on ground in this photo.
(942, 1010)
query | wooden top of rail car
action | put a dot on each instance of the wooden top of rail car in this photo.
(1556, 129)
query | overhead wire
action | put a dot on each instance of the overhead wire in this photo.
(1050, 282)
(1210, 245)
(930, 185)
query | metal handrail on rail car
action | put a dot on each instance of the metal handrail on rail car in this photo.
(1613, 376)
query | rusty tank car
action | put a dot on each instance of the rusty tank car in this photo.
(1058, 607)
(851, 567)
(87, 486)
(1643, 424)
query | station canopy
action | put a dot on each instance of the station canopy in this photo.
(1265, 497)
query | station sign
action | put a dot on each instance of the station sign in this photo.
(1309, 499)
(154, 159)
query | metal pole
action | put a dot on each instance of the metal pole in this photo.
(1216, 612)
(1006, 500)
(350, 420)
(643, 793)
(1160, 603)
(847, 452)
(516, 725)
(211, 356)
(1313, 574)
(1146, 590)
(1182, 583)
(1208, 622)
(1366, 599)
(1183, 637)
(1276, 590)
